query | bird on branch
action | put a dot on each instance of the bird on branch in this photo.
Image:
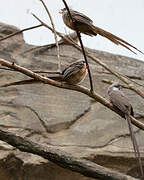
(83, 24)
(73, 74)
(121, 102)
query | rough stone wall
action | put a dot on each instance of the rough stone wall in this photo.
(67, 120)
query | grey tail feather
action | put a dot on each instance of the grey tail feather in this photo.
(115, 39)
(135, 145)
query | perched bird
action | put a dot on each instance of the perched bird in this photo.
(39, 49)
(73, 74)
(84, 24)
(121, 102)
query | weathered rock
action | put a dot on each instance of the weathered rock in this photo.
(68, 120)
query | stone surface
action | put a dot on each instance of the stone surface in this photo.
(61, 118)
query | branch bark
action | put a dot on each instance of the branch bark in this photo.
(63, 159)
(55, 35)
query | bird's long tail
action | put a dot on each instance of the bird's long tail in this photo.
(135, 145)
(115, 39)
(31, 81)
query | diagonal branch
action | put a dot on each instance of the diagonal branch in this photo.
(18, 32)
(129, 77)
(62, 158)
(81, 89)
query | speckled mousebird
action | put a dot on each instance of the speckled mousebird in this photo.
(121, 102)
(73, 74)
(84, 25)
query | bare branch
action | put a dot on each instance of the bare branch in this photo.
(107, 81)
(18, 32)
(130, 77)
(55, 35)
(81, 89)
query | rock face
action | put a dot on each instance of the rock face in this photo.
(68, 120)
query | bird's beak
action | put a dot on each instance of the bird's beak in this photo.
(60, 11)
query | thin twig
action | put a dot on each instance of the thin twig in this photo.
(18, 32)
(81, 43)
(55, 35)
(107, 81)
(47, 72)
(130, 77)
(81, 89)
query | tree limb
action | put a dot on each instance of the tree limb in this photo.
(81, 89)
(63, 159)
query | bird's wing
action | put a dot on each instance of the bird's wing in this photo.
(119, 100)
(72, 70)
(81, 18)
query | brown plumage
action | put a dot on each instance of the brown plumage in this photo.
(121, 102)
(72, 74)
(85, 25)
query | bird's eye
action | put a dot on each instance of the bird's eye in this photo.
(119, 86)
